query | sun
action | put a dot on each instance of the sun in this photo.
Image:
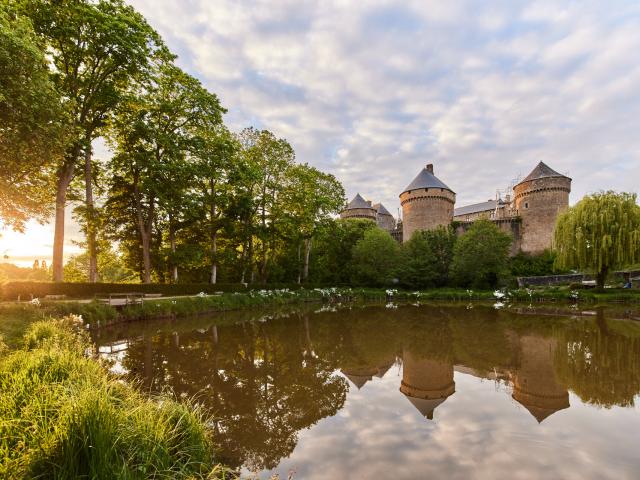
(36, 243)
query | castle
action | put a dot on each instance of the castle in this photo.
(528, 214)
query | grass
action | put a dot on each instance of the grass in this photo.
(63, 416)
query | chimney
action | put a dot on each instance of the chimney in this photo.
(430, 168)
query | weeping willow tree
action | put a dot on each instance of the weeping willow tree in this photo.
(599, 234)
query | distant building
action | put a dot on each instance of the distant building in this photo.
(361, 208)
(528, 214)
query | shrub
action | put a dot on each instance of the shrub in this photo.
(527, 265)
(375, 258)
(426, 258)
(480, 256)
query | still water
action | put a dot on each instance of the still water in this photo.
(403, 393)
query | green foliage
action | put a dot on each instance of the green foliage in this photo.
(528, 265)
(599, 234)
(332, 256)
(32, 123)
(480, 256)
(111, 268)
(63, 416)
(375, 258)
(10, 272)
(426, 258)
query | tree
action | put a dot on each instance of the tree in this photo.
(599, 234)
(426, 258)
(95, 49)
(32, 124)
(215, 157)
(153, 134)
(332, 262)
(480, 256)
(375, 258)
(311, 197)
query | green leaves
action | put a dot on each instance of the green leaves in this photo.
(32, 124)
(600, 233)
(480, 256)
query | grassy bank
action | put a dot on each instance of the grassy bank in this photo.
(15, 317)
(63, 416)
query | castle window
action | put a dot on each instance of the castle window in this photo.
(526, 204)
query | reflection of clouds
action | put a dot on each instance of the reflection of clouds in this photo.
(479, 432)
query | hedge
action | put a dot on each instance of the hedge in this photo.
(28, 290)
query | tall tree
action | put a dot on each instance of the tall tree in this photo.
(268, 159)
(32, 123)
(600, 233)
(152, 134)
(95, 49)
(216, 157)
(311, 198)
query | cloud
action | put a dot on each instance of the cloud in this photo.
(371, 91)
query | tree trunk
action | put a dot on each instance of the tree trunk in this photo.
(172, 242)
(145, 230)
(299, 266)
(214, 258)
(307, 252)
(65, 175)
(213, 234)
(91, 227)
(601, 277)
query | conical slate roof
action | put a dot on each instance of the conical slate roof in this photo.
(358, 202)
(426, 179)
(539, 412)
(358, 380)
(426, 406)
(542, 170)
(381, 210)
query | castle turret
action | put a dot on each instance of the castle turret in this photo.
(384, 219)
(426, 383)
(539, 199)
(427, 203)
(359, 208)
(536, 386)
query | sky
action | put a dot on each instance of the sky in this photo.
(371, 91)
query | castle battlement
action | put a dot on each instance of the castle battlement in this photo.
(529, 214)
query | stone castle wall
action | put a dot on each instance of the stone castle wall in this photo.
(538, 203)
(426, 209)
(368, 213)
(386, 222)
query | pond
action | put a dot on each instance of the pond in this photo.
(360, 392)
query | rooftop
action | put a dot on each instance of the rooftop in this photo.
(358, 202)
(381, 210)
(426, 179)
(478, 207)
(542, 170)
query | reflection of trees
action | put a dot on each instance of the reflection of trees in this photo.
(255, 380)
(600, 365)
(265, 381)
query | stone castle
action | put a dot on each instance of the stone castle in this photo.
(528, 213)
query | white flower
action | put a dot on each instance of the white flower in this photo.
(35, 302)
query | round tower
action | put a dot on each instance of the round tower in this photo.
(384, 219)
(426, 383)
(427, 203)
(359, 208)
(539, 199)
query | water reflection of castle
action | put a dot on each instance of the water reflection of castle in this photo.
(428, 382)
